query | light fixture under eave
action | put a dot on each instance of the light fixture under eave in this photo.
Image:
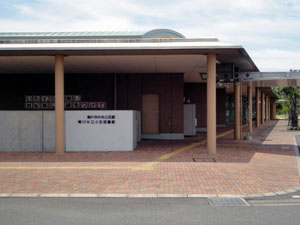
(223, 85)
(203, 76)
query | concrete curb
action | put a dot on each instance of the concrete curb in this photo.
(83, 195)
(142, 196)
(113, 195)
(120, 195)
(201, 196)
(172, 195)
(53, 195)
(15, 195)
(296, 148)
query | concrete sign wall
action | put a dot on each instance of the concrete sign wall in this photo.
(34, 131)
(101, 130)
(48, 131)
(21, 131)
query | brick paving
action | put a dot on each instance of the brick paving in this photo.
(241, 167)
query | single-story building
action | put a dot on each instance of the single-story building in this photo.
(90, 91)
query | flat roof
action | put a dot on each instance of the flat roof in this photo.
(123, 44)
(177, 53)
(226, 52)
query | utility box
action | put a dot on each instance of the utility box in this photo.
(190, 120)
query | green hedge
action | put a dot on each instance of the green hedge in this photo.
(293, 128)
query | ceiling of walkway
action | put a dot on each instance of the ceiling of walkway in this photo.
(190, 65)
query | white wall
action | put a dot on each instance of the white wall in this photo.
(21, 131)
(48, 131)
(85, 134)
(34, 131)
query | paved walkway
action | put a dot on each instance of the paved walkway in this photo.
(265, 164)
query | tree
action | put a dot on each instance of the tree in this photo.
(292, 94)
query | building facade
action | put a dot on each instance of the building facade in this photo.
(48, 78)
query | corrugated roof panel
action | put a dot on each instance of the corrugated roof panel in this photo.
(64, 35)
(91, 34)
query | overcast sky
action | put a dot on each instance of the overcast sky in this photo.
(268, 29)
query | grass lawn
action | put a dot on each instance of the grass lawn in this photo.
(284, 116)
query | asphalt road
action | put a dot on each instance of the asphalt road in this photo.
(158, 211)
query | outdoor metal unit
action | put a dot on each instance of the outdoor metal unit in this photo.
(190, 121)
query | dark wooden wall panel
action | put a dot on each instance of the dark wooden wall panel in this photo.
(169, 87)
(134, 92)
(100, 87)
(221, 106)
(160, 84)
(197, 95)
(122, 92)
(177, 104)
(92, 87)
(166, 104)
(202, 122)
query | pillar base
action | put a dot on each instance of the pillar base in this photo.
(59, 153)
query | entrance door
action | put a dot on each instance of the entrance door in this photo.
(150, 114)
